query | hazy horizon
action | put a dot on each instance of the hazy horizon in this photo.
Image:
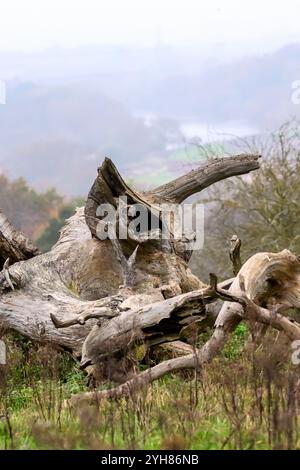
(35, 26)
(141, 82)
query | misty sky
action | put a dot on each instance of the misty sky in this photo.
(35, 24)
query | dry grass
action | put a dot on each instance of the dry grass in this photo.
(241, 401)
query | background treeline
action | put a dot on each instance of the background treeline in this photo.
(261, 208)
(39, 215)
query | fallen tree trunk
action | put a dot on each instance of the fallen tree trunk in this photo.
(102, 298)
(109, 301)
(254, 283)
(81, 277)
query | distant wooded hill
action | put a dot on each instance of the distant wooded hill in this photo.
(78, 106)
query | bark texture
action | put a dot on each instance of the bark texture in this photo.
(13, 244)
(241, 302)
(111, 301)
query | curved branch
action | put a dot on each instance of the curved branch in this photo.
(215, 170)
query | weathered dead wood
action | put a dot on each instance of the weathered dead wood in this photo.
(72, 297)
(204, 176)
(153, 323)
(6, 274)
(240, 304)
(107, 187)
(234, 254)
(271, 279)
(174, 349)
(13, 244)
(65, 295)
(126, 264)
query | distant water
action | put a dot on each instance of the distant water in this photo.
(192, 129)
(224, 131)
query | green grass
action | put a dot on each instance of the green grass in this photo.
(234, 348)
(239, 401)
(121, 424)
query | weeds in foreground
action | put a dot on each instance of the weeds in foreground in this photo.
(246, 399)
